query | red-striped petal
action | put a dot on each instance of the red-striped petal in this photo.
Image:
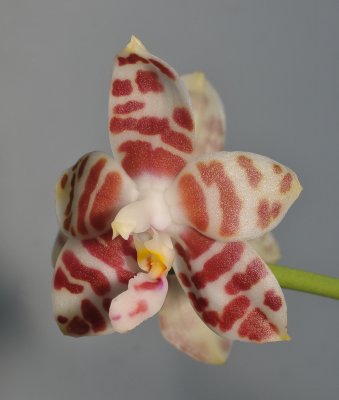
(231, 288)
(89, 194)
(232, 195)
(88, 275)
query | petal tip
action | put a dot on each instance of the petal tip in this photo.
(135, 45)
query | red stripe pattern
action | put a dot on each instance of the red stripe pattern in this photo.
(232, 196)
(94, 190)
(88, 275)
(232, 289)
(151, 124)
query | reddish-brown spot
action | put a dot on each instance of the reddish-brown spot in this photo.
(90, 185)
(61, 281)
(148, 285)
(73, 232)
(256, 327)
(165, 70)
(153, 126)
(196, 243)
(112, 253)
(183, 254)
(142, 158)
(211, 317)
(98, 281)
(275, 209)
(254, 176)
(273, 300)
(140, 308)
(148, 81)
(219, 264)
(233, 311)
(82, 166)
(230, 203)
(121, 87)
(128, 107)
(106, 303)
(184, 280)
(67, 223)
(106, 202)
(71, 195)
(266, 212)
(78, 327)
(131, 59)
(286, 183)
(63, 181)
(93, 315)
(61, 319)
(277, 169)
(193, 201)
(182, 117)
(199, 303)
(255, 271)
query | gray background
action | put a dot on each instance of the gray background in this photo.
(276, 65)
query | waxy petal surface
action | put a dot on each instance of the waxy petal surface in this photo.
(150, 116)
(90, 193)
(209, 115)
(87, 276)
(267, 247)
(231, 288)
(232, 195)
(143, 298)
(181, 326)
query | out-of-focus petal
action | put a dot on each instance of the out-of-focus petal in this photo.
(88, 275)
(89, 194)
(267, 247)
(150, 116)
(143, 298)
(231, 288)
(59, 242)
(181, 326)
(232, 195)
(209, 115)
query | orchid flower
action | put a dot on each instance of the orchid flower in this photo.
(166, 201)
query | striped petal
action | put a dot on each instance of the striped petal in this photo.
(181, 326)
(143, 298)
(231, 288)
(89, 194)
(88, 275)
(267, 248)
(209, 115)
(232, 195)
(150, 117)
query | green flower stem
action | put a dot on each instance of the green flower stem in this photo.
(305, 281)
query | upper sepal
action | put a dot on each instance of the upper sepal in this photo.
(90, 193)
(150, 117)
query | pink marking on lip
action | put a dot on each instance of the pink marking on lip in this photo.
(116, 317)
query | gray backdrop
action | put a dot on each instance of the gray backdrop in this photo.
(275, 63)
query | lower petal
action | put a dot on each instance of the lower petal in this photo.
(231, 288)
(88, 275)
(181, 326)
(143, 298)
